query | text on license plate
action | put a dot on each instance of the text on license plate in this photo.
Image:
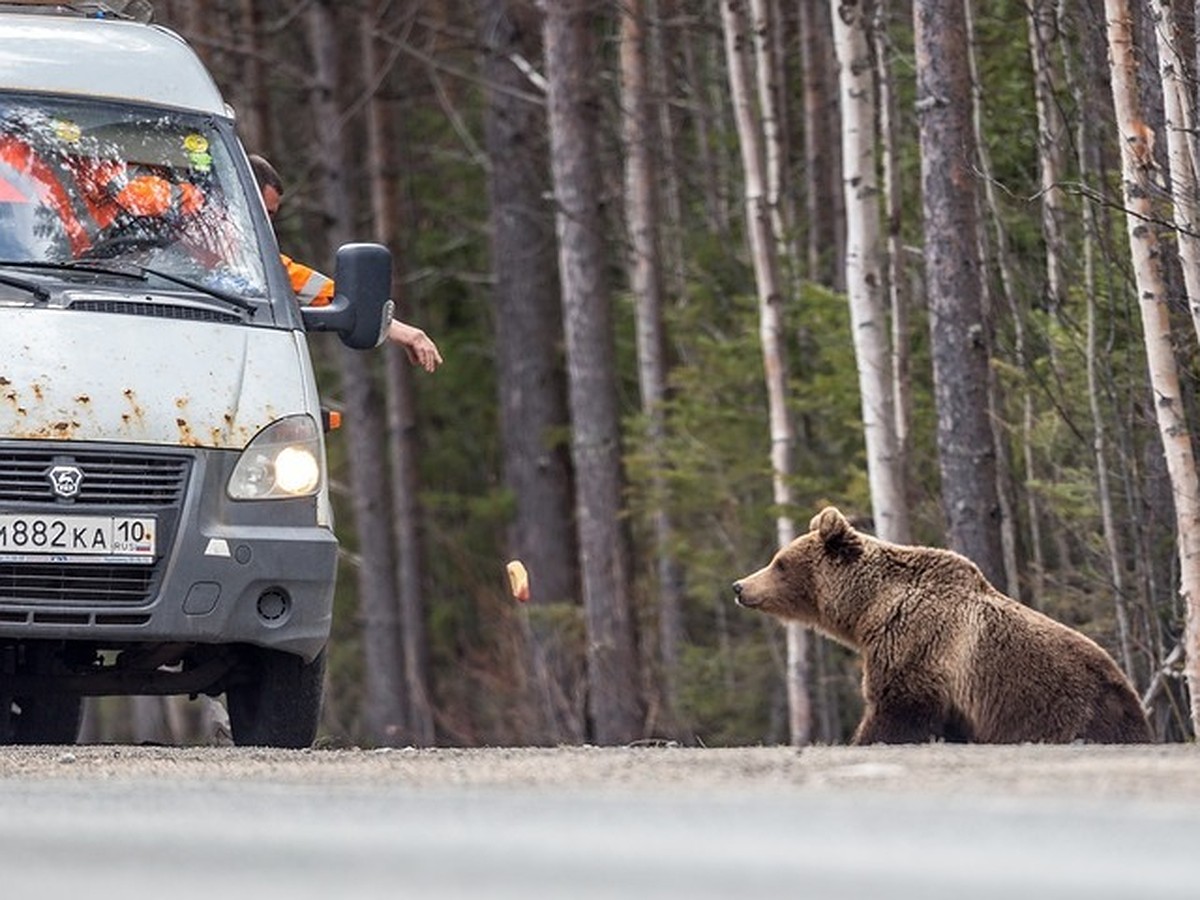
(91, 536)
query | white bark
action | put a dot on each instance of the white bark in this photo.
(1181, 152)
(1136, 163)
(1043, 31)
(864, 279)
(893, 210)
(767, 77)
(767, 279)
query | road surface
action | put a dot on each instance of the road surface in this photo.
(660, 822)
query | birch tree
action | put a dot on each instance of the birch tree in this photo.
(614, 691)
(770, 304)
(893, 212)
(1180, 101)
(864, 275)
(1043, 42)
(1137, 165)
(764, 29)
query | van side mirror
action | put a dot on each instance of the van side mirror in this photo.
(362, 306)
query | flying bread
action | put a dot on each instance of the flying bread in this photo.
(518, 580)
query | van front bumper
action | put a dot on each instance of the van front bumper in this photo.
(224, 571)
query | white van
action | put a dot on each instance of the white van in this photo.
(165, 523)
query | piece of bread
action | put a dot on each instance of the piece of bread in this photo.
(518, 580)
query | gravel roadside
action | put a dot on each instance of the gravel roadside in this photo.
(1168, 773)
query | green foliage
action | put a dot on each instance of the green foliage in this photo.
(715, 464)
(728, 692)
(712, 472)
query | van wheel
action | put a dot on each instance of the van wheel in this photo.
(280, 706)
(49, 719)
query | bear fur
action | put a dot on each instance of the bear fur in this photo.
(945, 655)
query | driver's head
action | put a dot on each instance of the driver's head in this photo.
(269, 183)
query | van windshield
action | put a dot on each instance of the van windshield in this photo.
(98, 181)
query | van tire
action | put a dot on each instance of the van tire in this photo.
(280, 705)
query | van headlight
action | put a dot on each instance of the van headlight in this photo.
(284, 460)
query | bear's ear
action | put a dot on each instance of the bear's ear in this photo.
(837, 534)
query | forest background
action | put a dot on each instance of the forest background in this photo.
(640, 231)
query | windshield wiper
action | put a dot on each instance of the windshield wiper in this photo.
(38, 292)
(131, 270)
(232, 299)
(76, 266)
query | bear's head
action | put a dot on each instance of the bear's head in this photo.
(809, 574)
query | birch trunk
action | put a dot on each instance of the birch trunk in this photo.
(1181, 151)
(864, 277)
(893, 211)
(1136, 164)
(764, 16)
(1052, 138)
(770, 297)
(767, 77)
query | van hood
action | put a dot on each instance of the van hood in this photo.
(85, 376)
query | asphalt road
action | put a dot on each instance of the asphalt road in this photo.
(930, 822)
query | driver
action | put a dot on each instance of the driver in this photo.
(123, 195)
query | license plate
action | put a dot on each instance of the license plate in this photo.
(77, 538)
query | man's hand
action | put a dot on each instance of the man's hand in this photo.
(419, 346)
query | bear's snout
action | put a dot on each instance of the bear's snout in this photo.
(740, 596)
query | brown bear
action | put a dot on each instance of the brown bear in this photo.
(945, 655)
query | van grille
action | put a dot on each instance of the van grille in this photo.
(75, 584)
(108, 479)
(138, 482)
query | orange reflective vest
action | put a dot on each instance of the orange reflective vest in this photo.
(110, 188)
(312, 287)
(102, 191)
